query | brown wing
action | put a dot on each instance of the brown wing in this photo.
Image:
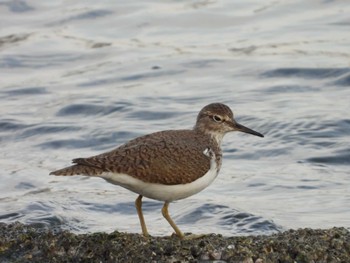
(168, 157)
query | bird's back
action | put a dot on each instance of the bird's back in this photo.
(154, 158)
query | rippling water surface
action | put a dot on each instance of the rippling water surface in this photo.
(79, 78)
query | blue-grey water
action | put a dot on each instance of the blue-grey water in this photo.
(81, 77)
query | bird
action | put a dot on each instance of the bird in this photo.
(167, 165)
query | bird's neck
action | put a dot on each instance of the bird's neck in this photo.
(215, 136)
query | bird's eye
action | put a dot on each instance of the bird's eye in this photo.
(217, 118)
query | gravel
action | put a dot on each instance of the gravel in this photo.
(26, 243)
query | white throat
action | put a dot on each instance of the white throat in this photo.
(217, 136)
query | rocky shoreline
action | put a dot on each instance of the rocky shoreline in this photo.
(24, 243)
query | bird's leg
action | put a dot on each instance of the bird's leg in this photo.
(138, 205)
(170, 221)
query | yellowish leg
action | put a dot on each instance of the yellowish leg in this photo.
(138, 205)
(170, 221)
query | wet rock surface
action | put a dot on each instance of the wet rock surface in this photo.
(25, 243)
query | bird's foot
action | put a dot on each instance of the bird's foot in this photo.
(188, 236)
(193, 236)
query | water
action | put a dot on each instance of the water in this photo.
(79, 78)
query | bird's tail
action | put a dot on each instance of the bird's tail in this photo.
(78, 169)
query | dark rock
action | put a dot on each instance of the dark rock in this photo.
(25, 243)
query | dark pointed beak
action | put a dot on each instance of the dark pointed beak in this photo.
(239, 127)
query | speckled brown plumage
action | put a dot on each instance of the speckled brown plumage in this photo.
(167, 157)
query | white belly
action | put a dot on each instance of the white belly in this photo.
(163, 192)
